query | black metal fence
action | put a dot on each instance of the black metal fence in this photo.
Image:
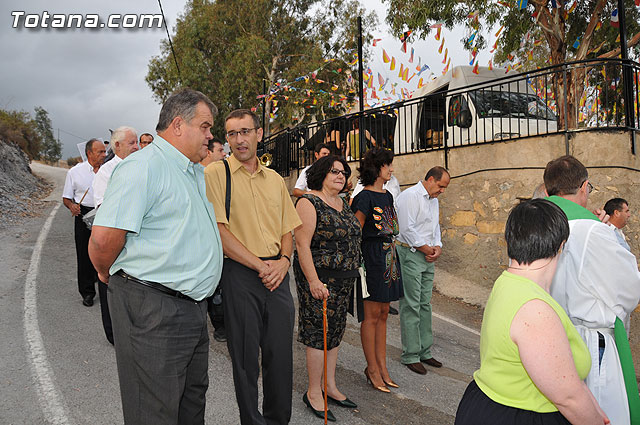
(495, 107)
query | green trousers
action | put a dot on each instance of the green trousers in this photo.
(415, 307)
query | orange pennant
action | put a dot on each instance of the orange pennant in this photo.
(441, 46)
(393, 63)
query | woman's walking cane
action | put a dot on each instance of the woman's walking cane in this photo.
(324, 334)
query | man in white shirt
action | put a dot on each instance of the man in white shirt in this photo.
(77, 196)
(618, 210)
(124, 142)
(301, 184)
(419, 245)
(598, 284)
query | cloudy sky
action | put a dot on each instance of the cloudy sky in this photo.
(93, 80)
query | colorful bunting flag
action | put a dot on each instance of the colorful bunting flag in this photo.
(444, 71)
(385, 56)
(499, 31)
(438, 32)
(573, 7)
(412, 75)
(411, 58)
(405, 76)
(375, 41)
(475, 69)
(401, 71)
(522, 4)
(441, 46)
(490, 65)
(446, 53)
(393, 63)
(576, 44)
(380, 79)
(599, 24)
(614, 18)
(424, 68)
(420, 84)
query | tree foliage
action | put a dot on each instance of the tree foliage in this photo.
(228, 48)
(537, 36)
(20, 128)
(51, 149)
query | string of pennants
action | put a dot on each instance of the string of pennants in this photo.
(281, 90)
(407, 73)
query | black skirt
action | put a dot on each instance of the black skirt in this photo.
(476, 408)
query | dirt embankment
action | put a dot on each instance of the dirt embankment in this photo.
(20, 190)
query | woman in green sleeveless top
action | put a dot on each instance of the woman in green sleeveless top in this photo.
(532, 359)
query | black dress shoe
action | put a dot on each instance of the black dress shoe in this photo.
(318, 413)
(87, 301)
(342, 403)
(432, 362)
(393, 311)
(220, 335)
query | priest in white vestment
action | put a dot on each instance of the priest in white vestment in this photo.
(596, 281)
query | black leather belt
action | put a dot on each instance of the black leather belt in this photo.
(157, 286)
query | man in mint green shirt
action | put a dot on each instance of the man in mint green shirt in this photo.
(155, 241)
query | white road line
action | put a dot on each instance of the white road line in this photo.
(453, 322)
(51, 401)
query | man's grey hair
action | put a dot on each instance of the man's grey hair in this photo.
(183, 103)
(119, 134)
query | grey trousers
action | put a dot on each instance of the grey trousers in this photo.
(162, 354)
(257, 319)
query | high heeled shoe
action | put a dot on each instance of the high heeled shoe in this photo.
(380, 388)
(390, 383)
(318, 413)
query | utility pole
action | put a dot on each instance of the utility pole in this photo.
(360, 66)
(264, 102)
(627, 79)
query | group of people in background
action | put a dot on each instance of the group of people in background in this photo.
(181, 226)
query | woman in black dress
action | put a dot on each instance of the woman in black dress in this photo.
(374, 210)
(327, 253)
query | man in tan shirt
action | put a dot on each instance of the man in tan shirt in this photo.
(257, 244)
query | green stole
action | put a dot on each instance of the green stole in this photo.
(577, 212)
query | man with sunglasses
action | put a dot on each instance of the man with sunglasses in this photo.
(257, 241)
(598, 284)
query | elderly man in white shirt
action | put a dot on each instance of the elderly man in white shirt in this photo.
(419, 245)
(77, 196)
(124, 141)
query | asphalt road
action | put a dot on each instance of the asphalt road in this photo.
(57, 367)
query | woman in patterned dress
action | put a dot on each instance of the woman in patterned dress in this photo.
(326, 267)
(374, 210)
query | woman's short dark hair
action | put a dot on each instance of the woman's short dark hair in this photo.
(370, 165)
(535, 229)
(319, 170)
